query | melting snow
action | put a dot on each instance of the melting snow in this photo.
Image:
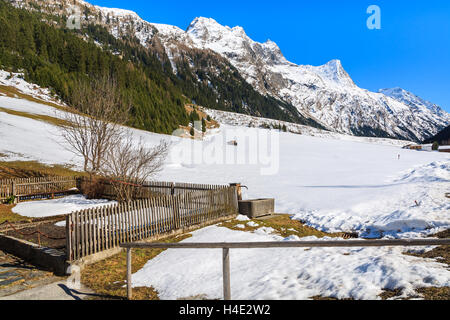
(66, 205)
(293, 273)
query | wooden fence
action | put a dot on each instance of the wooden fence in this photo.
(94, 230)
(158, 188)
(28, 188)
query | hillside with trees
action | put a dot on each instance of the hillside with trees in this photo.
(442, 137)
(58, 58)
(51, 55)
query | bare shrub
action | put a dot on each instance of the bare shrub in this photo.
(92, 187)
(129, 164)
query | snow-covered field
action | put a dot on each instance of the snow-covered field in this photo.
(333, 183)
(285, 273)
(337, 185)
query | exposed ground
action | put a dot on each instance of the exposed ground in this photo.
(209, 124)
(33, 169)
(212, 124)
(48, 119)
(6, 214)
(44, 234)
(283, 225)
(13, 92)
(107, 277)
(441, 254)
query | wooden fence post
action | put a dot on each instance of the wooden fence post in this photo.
(13, 191)
(172, 189)
(176, 212)
(129, 287)
(226, 274)
(238, 190)
(68, 238)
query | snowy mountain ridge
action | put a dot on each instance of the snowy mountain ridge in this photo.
(324, 93)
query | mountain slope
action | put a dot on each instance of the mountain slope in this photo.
(59, 59)
(442, 137)
(213, 64)
(204, 77)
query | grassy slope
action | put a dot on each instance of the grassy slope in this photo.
(107, 277)
(30, 169)
(6, 214)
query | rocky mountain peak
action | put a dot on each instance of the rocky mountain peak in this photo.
(334, 71)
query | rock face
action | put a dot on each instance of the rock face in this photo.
(325, 94)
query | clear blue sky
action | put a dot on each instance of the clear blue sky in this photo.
(412, 49)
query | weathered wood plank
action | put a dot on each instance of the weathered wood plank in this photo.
(292, 244)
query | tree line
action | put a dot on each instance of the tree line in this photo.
(59, 58)
(53, 56)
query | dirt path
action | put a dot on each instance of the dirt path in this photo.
(17, 275)
(58, 290)
(22, 281)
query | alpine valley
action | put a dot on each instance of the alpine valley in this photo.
(222, 68)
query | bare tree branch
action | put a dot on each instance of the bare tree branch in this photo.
(130, 165)
(97, 123)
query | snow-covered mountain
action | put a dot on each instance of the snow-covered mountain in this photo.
(324, 93)
(413, 101)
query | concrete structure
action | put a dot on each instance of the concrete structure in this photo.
(59, 290)
(256, 208)
(48, 258)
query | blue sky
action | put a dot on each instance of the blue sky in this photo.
(412, 49)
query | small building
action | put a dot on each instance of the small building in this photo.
(413, 147)
(444, 149)
(427, 147)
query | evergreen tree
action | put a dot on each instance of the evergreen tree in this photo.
(435, 146)
(54, 57)
(203, 125)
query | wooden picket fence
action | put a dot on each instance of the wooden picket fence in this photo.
(158, 188)
(29, 188)
(95, 230)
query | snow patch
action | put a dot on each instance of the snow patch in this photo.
(66, 205)
(288, 273)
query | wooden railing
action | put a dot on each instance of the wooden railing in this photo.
(226, 246)
(32, 187)
(95, 230)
